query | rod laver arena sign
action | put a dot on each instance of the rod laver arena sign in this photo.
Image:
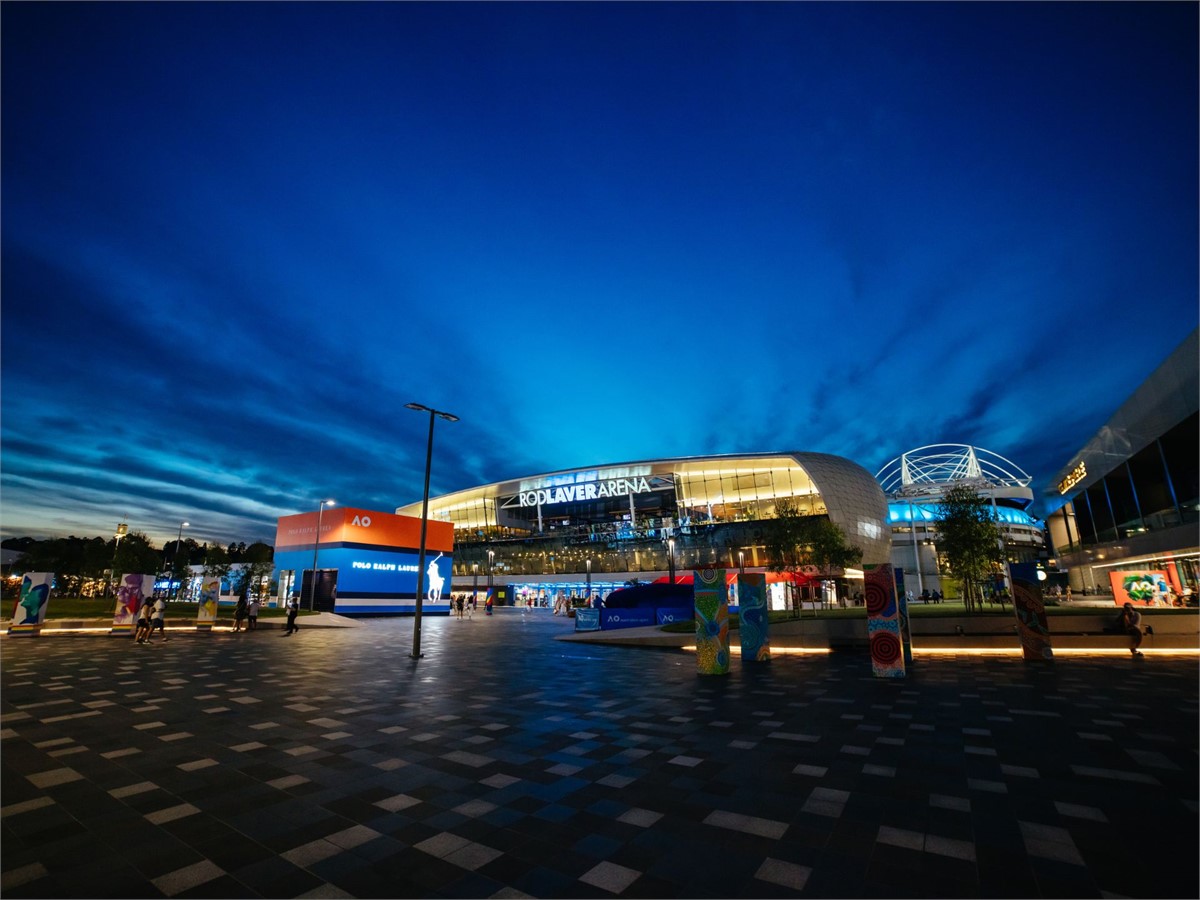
(591, 490)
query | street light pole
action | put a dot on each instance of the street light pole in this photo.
(175, 556)
(742, 562)
(416, 650)
(671, 558)
(312, 582)
(589, 581)
(122, 529)
(491, 557)
(474, 582)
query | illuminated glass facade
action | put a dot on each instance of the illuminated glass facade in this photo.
(1131, 495)
(646, 516)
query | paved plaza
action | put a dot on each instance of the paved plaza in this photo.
(508, 764)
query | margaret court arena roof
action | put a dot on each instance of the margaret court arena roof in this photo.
(688, 490)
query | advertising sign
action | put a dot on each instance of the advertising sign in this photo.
(585, 619)
(29, 614)
(624, 618)
(1141, 587)
(132, 592)
(665, 615)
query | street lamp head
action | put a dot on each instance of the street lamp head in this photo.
(449, 417)
(184, 524)
(328, 502)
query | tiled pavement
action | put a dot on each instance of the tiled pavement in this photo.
(508, 764)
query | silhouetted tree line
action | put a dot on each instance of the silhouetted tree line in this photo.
(86, 565)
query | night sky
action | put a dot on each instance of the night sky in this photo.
(238, 238)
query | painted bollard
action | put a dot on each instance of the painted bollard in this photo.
(883, 622)
(752, 604)
(1030, 610)
(712, 622)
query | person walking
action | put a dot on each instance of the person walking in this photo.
(142, 630)
(293, 607)
(252, 613)
(239, 612)
(158, 621)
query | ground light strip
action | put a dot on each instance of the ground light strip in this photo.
(976, 651)
(123, 630)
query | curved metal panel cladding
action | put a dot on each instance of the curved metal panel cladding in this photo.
(855, 501)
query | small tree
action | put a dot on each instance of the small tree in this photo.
(134, 554)
(784, 538)
(827, 547)
(969, 539)
(258, 563)
(216, 562)
(795, 541)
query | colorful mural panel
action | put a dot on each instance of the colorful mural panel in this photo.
(206, 609)
(712, 621)
(29, 614)
(883, 622)
(132, 592)
(754, 630)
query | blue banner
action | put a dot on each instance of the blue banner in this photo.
(666, 615)
(626, 618)
(587, 619)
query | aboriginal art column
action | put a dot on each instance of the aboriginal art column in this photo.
(883, 622)
(29, 615)
(1030, 611)
(712, 621)
(752, 605)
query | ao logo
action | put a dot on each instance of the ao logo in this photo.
(362, 521)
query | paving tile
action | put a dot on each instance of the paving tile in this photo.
(810, 776)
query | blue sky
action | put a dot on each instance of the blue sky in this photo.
(238, 238)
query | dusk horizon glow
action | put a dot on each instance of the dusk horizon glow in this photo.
(239, 238)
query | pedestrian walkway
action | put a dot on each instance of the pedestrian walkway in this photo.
(506, 763)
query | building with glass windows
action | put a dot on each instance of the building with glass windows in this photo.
(1126, 505)
(915, 482)
(612, 523)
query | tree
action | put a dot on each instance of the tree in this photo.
(258, 562)
(784, 538)
(135, 554)
(970, 539)
(216, 562)
(827, 547)
(795, 541)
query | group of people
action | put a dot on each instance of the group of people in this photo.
(246, 611)
(463, 603)
(151, 616)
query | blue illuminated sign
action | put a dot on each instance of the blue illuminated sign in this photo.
(374, 572)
